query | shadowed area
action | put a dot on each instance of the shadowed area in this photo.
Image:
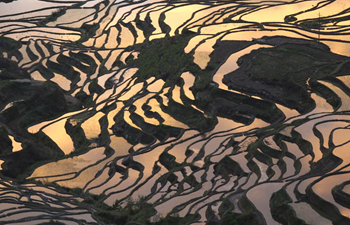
(174, 112)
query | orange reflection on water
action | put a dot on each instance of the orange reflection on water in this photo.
(324, 188)
(277, 13)
(16, 146)
(173, 19)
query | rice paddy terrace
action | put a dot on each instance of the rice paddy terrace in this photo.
(225, 112)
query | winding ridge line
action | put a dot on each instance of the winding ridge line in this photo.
(174, 112)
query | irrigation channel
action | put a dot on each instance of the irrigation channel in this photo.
(175, 112)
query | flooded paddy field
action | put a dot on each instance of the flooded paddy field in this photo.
(156, 112)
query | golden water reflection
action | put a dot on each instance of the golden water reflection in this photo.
(121, 89)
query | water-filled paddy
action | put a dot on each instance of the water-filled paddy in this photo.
(174, 112)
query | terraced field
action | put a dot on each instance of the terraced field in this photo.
(175, 112)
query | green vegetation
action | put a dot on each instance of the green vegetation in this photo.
(77, 134)
(250, 214)
(139, 212)
(10, 70)
(281, 211)
(5, 142)
(287, 73)
(94, 87)
(282, 73)
(53, 16)
(193, 118)
(163, 59)
(36, 148)
(322, 90)
(9, 45)
(292, 63)
(38, 102)
(31, 102)
(52, 222)
(87, 31)
(227, 167)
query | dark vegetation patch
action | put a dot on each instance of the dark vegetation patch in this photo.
(164, 59)
(8, 68)
(24, 102)
(34, 102)
(285, 74)
(6, 1)
(35, 148)
(281, 210)
(9, 45)
(87, 31)
(282, 73)
(134, 211)
(53, 16)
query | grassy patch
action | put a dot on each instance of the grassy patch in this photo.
(53, 16)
